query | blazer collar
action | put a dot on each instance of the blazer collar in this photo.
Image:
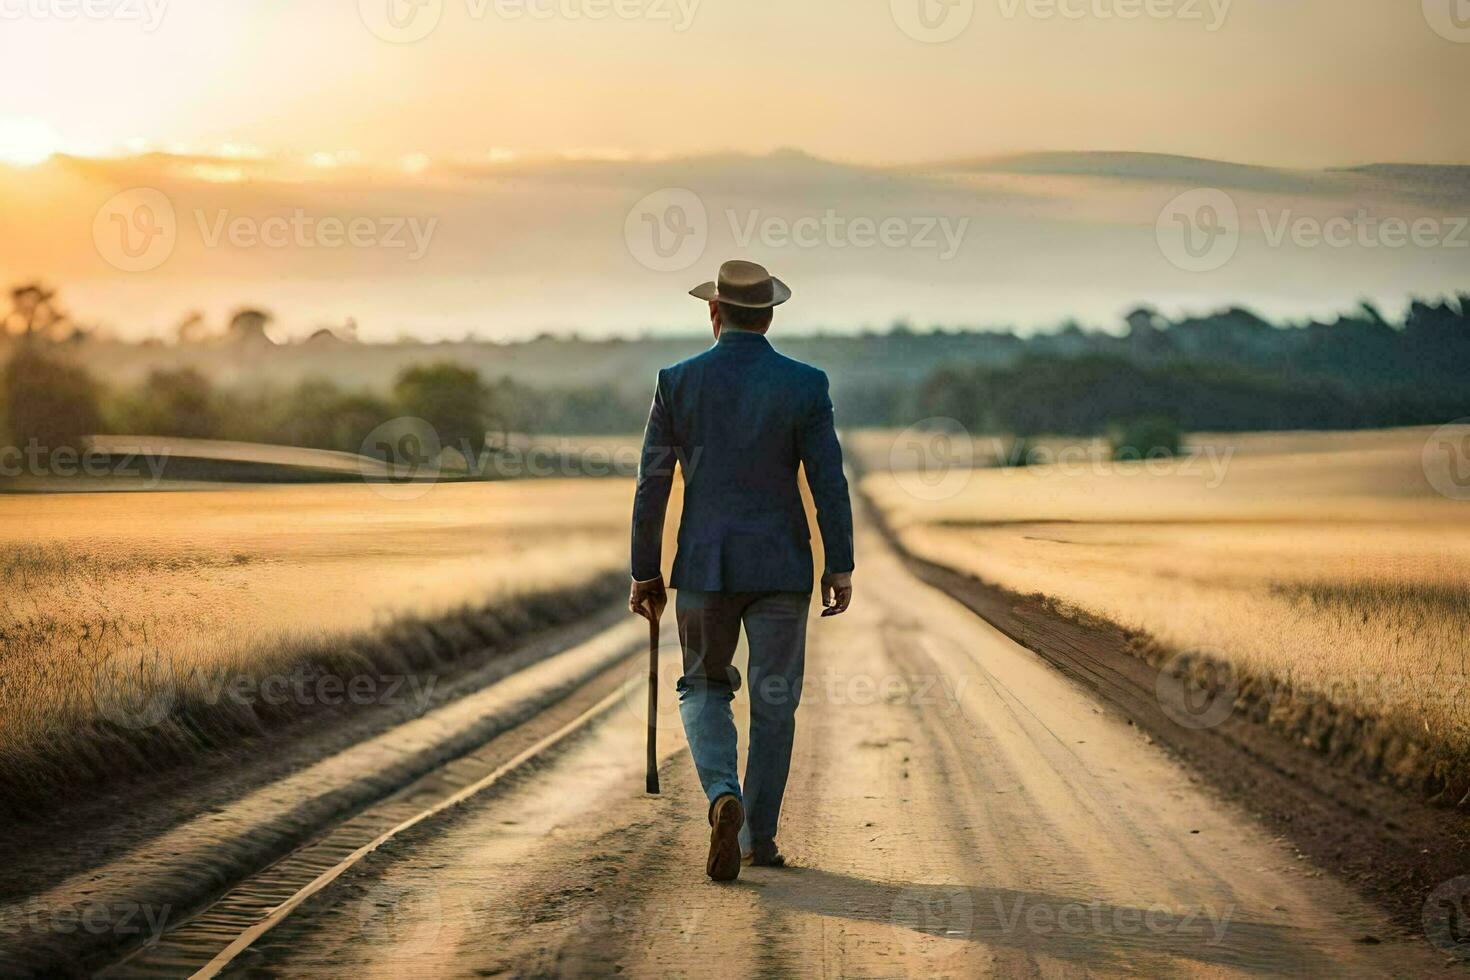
(742, 339)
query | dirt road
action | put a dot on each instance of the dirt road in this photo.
(956, 808)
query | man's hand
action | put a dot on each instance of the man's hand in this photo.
(648, 599)
(836, 593)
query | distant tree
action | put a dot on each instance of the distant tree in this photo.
(247, 326)
(517, 407)
(1142, 319)
(304, 416)
(1017, 453)
(1150, 437)
(47, 400)
(319, 415)
(172, 403)
(595, 410)
(868, 404)
(1371, 311)
(35, 314)
(321, 337)
(1147, 337)
(450, 398)
(354, 417)
(327, 336)
(192, 329)
(951, 394)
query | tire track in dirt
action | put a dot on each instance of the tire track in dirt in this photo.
(1395, 848)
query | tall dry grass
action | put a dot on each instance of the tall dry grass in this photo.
(1324, 568)
(136, 629)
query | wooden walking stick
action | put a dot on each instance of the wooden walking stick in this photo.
(651, 783)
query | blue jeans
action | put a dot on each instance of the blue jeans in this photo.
(709, 630)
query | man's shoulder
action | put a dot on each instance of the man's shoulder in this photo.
(800, 371)
(679, 367)
(779, 364)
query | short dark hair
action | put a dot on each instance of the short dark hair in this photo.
(745, 318)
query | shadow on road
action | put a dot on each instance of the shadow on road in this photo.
(1083, 930)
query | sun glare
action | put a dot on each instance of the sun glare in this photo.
(25, 142)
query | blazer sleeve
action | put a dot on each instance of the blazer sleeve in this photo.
(651, 498)
(821, 455)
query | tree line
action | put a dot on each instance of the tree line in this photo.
(1230, 371)
(47, 401)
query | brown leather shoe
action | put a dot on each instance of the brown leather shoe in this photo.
(766, 856)
(725, 820)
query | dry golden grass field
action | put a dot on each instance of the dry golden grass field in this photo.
(108, 598)
(1326, 563)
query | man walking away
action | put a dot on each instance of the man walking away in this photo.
(739, 419)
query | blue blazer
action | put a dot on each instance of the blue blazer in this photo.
(738, 419)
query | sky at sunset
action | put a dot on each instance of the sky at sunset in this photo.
(524, 135)
(1284, 82)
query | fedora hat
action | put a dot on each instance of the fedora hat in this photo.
(744, 284)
